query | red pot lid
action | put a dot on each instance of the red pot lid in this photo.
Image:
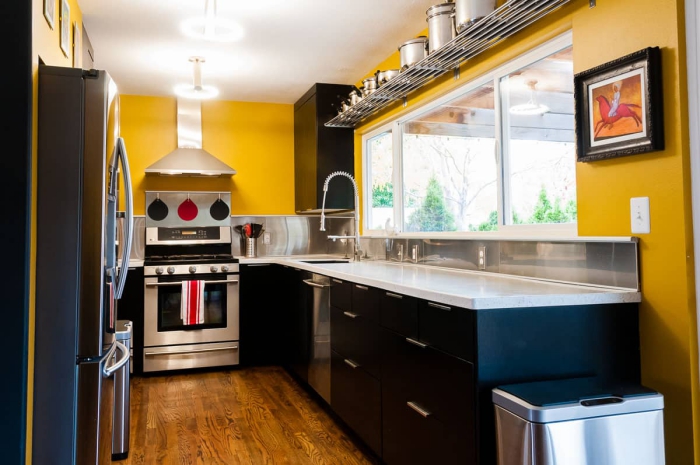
(187, 210)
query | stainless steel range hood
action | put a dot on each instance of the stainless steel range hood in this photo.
(189, 158)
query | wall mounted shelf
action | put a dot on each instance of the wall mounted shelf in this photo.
(505, 21)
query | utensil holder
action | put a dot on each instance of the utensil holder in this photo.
(251, 247)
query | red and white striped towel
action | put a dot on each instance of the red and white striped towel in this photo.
(192, 304)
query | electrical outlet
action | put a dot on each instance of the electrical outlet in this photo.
(639, 213)
(266, 238)
(482, 258)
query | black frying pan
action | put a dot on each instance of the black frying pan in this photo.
(219, 210)
(157, 210)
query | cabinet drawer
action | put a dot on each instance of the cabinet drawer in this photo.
(441, 383)
(356, 398)
(365, 301)
(399, 313)
(341, 292)
(447, 328)
(355, 337)
(411, 435)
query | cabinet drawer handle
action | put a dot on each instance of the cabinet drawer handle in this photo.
(421, 411)
(416, 343)
(337, 281)
(257, 264)
(394, 296)
(441, 307)
(351, 315)
(364, 288)
(351, 364)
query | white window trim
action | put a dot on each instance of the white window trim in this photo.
(562, 230)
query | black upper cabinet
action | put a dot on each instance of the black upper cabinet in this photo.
(319, 151)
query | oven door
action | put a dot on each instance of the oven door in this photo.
(163, 324)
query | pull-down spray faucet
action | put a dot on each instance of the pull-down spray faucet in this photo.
(356, 237)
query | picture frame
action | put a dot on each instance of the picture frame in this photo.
(619, 107)
(65, 26)
(77, 45)
(50, 12)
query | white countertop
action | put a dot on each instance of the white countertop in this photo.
(467, 289)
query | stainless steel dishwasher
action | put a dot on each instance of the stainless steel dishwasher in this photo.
(320, 363)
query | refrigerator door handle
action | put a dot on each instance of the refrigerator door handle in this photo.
(129, 220)
(110, 370)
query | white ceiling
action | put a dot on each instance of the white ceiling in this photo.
(288, 45)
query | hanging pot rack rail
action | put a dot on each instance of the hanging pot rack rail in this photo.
(503, 22)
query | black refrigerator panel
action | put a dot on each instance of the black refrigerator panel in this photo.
(58, 269)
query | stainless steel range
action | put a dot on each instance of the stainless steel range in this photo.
(191, 282)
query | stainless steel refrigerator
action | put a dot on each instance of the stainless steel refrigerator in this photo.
(80, 163)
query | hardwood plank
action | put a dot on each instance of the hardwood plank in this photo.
(243, 416)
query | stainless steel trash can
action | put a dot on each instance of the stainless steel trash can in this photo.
(121, 419)
(578, 422)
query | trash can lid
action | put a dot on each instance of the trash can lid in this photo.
(123, 330)
(574, 399)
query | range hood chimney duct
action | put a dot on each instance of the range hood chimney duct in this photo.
(189, 158)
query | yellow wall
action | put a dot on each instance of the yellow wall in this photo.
(667, 327)
(45, 45)
(256, 139)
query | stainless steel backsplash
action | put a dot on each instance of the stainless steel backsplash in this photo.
(605, 263)
(297, 235)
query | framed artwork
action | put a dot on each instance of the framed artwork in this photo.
(50, 11)
(619, 107)
(65, 27)
(77, 45)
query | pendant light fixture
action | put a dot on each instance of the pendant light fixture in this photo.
(196, 90)
(211, 27)
(531, 108)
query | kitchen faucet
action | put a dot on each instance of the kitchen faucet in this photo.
(356, 238)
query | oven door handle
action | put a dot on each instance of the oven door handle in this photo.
(179, 283)
(185, 352)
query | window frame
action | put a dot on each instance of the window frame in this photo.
(395, 126)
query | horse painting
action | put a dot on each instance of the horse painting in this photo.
(624, 110)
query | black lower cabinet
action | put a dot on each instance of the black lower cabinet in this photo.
(261, 314)
(356, 399)
(130, 307)
(299, 324)
(428, 404)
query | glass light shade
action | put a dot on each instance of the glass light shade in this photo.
(190, 91)
(213, 29)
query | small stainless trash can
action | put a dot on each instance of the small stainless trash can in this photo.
(578, 422)
(120, 418)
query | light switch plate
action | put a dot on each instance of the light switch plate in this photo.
(639, 213)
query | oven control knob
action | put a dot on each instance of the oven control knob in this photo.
(171, 269)
(193, 269)
(214, 269)
(159, 270)
(224, 268)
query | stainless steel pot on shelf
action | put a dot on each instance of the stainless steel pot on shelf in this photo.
(369, 85)
(355, 97)
(384, 76)
(468, 12)
(440, 25)
(412, 51)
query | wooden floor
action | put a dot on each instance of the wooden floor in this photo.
(242, 416)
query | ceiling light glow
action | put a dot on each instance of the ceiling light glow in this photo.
(531, 107)
(212, 29)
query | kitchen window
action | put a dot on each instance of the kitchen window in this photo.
(498, 154)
